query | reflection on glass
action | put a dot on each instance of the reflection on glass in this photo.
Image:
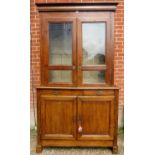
(93, 40)
(60, 76)
(93, 76)
(60, 43)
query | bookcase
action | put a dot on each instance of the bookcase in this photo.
(77, 102)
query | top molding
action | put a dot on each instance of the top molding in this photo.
(95, 6)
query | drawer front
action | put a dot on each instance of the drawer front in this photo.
(74, 92)
(98, 92)
(64, 92)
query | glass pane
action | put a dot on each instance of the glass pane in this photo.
(93, 40)
(93, 76)
(60, 76)
(60, 43)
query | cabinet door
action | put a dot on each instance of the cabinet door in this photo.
(94, 51)
(58, 115)
(95, 118)
(59, 51)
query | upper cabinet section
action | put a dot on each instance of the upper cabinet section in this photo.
(77, 45)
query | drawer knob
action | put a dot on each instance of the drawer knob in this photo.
(80, 129)
(55, 92)
(99, 92)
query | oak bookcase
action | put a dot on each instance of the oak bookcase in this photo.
(77, 102)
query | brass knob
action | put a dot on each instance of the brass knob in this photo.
(99, 92)
(80, 129)
(55, 92)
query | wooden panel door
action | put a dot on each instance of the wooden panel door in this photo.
(95, 118)
(58, 114)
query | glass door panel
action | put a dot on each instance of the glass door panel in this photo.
(93, 43)
(60, 43)
(93, 77)
(60, 76)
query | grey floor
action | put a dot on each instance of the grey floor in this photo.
(77, 151)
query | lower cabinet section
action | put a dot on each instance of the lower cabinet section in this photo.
(77, 120)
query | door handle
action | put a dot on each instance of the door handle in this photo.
(79, 126)
(80, 129)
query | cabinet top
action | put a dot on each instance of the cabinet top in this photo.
(87, 6)
(78, 88)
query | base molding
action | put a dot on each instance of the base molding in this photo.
(76, 143)
(115, 150)
(39, 148)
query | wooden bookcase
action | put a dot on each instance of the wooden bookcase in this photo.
(77, 102)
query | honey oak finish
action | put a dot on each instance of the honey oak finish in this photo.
(77, 19)
(77, 114)
(61, 111)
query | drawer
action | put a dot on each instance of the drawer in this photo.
(75, 92)
(98, 92)
(56, 92)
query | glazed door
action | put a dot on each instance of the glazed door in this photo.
(94, 53)
(95, 118)
(58, 115)
(59, 51)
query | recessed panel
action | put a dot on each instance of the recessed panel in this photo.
(56, 115)
(95, 117)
